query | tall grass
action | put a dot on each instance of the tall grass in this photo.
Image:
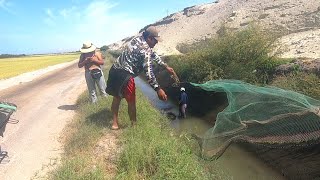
(80, 138)
(249, 55)
(305, 83)
(15, 66)
(151, 151)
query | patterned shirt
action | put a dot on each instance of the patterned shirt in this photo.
(138, 57)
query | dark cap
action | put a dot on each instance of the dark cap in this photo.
(153, 32)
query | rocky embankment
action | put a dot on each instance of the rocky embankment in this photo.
(298, 22)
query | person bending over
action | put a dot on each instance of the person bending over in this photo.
(136, 58)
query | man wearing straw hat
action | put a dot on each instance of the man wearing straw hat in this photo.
(92, 61)
(137, 57)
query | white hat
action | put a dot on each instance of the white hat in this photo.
(182, 89)
(87, 47)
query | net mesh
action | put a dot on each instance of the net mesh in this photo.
(266, 116)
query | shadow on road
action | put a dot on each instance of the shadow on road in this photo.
(68, 107)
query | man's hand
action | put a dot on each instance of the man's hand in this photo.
(162, 95)
(170, 70)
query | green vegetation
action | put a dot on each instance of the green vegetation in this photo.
(305, 83)
(149, 150)
(80, 137)
(2, 56)
(15, 66)
(114, 54)
(247, 55)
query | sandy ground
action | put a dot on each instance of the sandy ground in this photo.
(46, 103)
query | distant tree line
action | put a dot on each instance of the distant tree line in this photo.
(2, 56)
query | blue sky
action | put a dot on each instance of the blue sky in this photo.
(43, 26)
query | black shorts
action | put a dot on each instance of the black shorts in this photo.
(118, 78)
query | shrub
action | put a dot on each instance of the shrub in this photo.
(114, 53)
(305, 83)
(247, 55)
(109, 55)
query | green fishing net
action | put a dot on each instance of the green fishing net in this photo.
(267, 116)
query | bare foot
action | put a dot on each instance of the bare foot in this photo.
(115, 127)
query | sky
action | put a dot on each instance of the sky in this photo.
(43, 26)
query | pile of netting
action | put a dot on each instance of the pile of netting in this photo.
(267, 116)
(6, 110)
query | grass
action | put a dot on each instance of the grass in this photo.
(15, 66)
(150, 150)
(80, 137)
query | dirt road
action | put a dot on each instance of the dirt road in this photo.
(45, 106)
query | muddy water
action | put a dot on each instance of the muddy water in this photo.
(236, 162)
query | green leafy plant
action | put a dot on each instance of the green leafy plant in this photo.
(249, 55)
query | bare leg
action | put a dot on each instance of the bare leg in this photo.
(115, 110)
(132, 111)
(180, 111)
(183, 110)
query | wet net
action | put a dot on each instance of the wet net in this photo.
(267, 116)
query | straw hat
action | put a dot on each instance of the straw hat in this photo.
(87, 47)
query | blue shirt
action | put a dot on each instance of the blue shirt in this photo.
(183, 99)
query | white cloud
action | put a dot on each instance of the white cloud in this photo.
(6, 5)
(95, 23)
(69, 12)
(50, 13)
(50, 18)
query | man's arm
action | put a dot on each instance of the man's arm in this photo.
(82, 61)
(148, 69)
(147, 66)
(159, 61)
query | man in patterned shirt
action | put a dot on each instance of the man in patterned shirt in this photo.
(138, 56)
